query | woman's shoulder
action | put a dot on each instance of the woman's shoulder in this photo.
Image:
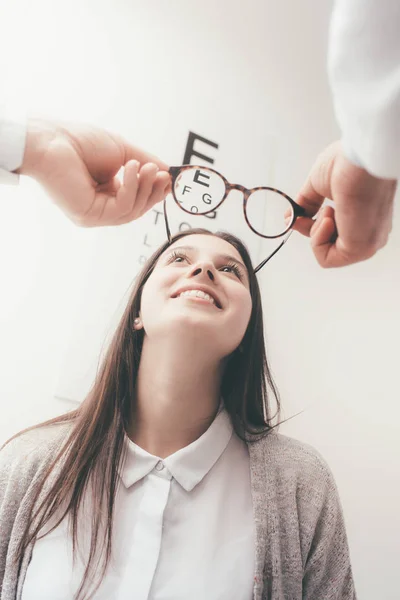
(22, 459)
(296, 475)
(30, 448)
(292, 458)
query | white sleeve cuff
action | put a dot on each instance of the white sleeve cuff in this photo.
(350, 154)
(13, 127)
(364, 75)
(8, 178)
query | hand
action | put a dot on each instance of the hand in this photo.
(77, 164)
(362, 219)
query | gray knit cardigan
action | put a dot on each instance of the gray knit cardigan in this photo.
(301, 550)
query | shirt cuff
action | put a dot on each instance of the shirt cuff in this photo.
(8, 178)
(350, 154)
(13, 128)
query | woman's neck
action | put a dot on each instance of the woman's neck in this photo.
(177, 398)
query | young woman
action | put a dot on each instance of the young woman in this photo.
(170, 480)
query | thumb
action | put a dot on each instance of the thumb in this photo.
(134, 153)
(324, 238)
(317, 186)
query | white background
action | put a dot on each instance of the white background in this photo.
(250, 76)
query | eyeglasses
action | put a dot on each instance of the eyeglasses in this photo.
(201, 190)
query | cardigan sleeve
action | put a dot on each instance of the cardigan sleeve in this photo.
(327, 573)
(20, 460)
(14, 480)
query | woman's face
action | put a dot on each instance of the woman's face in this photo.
(210, 265)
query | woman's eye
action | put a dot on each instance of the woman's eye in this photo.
(233, 269)
(175, 256)
(230, 268)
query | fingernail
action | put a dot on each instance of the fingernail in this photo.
(315, 226)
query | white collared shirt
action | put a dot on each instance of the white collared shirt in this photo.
(184, 527)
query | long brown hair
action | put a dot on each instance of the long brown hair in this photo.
(95, 445)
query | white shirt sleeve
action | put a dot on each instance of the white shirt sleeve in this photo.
(364, 74)
(13, 125)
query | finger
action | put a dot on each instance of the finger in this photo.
(147, 176)
(317, 186)
(310, 199)
(135, 153)
(322, 244)
(159, 191)
(101, 210)
(306, 225)
(324, 212)
(324, 233)
(117, 202)
(126, 195)
(324, 241)
(303, 225)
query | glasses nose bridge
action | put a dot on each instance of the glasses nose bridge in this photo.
(237, 186)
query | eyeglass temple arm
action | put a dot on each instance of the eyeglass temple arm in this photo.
(264, 262)
(166, 220)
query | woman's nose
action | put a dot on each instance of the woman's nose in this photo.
(206, 270)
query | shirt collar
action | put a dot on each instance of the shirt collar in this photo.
(188, 465)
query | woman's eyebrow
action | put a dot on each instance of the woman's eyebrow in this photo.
(225, 257)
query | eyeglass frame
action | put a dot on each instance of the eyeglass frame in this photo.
(298, 211)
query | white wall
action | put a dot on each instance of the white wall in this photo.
(332, 335)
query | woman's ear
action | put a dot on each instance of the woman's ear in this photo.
(137, 324)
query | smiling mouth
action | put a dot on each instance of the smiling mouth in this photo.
(200, 300)
(199, 296)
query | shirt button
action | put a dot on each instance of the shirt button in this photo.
(159, 465)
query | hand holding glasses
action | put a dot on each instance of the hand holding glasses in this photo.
(200, 190)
